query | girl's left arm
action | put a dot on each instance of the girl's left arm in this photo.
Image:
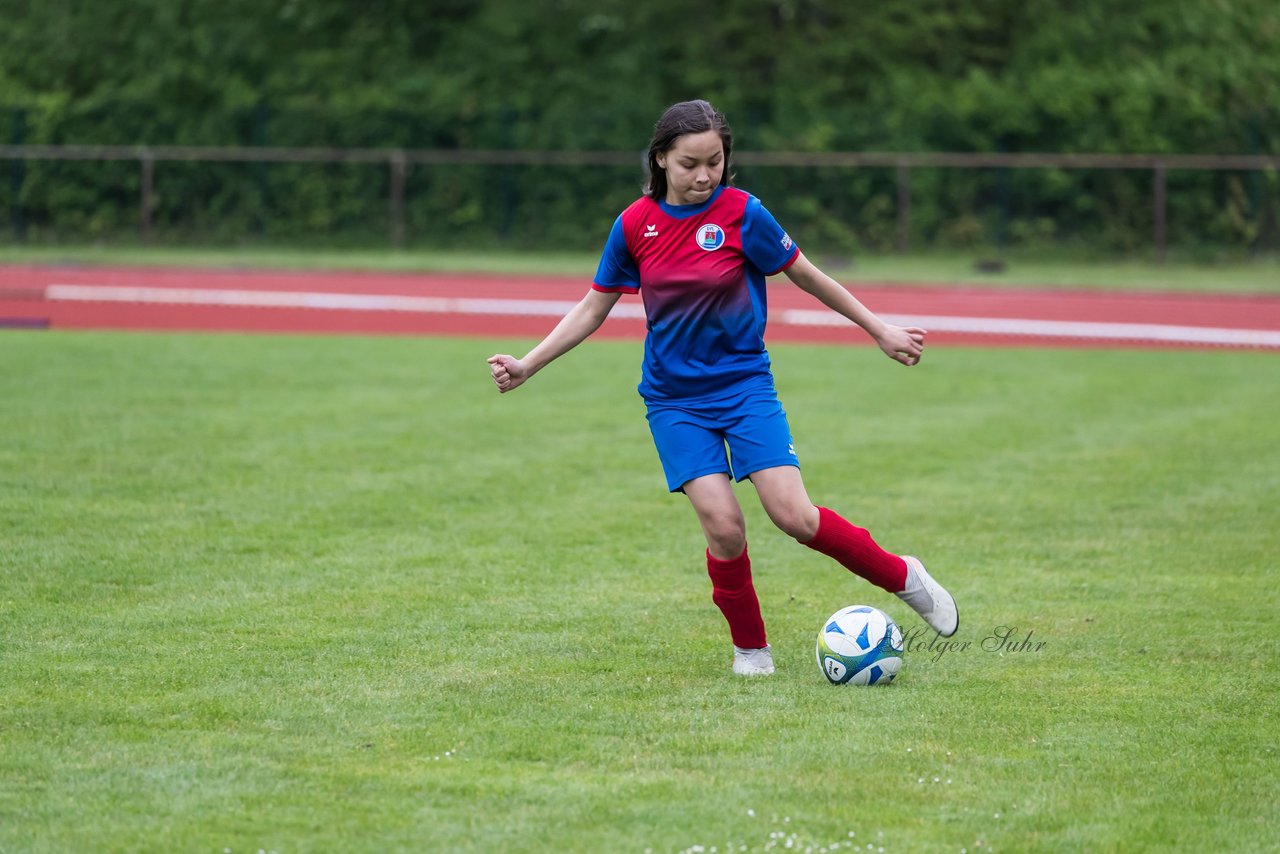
(901, 343)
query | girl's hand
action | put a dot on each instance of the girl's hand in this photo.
(902, 343)
(508, 372)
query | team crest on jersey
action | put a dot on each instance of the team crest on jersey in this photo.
(710, 237)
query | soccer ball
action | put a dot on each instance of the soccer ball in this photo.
(859, 645)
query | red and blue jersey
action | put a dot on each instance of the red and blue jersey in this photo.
(700, 270)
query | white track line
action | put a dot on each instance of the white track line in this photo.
(1068, 329)
(323, 301)
(1058, 328)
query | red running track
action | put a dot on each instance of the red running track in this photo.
(62, 297)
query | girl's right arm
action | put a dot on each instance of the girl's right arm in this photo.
(583, 319)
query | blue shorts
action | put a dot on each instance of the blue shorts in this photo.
(691, 440)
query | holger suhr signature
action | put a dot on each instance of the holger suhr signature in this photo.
(1001, 639)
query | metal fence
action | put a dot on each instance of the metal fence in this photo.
(398, 161)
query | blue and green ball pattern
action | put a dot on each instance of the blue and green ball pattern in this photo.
(859, 645)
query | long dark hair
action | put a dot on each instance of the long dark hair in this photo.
(678, 120)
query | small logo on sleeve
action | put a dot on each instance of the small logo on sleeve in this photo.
(786, 241)
(710, 237)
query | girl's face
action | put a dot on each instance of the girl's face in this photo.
(694, 164)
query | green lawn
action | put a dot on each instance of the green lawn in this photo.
(1187, 271)
(336, 594)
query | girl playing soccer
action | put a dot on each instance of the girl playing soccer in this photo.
(698, 251)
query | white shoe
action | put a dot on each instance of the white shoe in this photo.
(930, 599)
(753, 662)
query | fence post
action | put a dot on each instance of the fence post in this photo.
(148, 161)
(18, 174)
(261, 215)
(1004, 191)
(904, 208)
(1161, 194)
(399, 169)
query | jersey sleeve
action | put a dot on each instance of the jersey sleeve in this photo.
(764, 242)
(617, 272)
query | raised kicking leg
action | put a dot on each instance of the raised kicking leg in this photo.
(782, 493)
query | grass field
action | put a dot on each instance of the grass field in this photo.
(295, 593)
(1188, 271)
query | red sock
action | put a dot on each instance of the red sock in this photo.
(838, 538)
(735, 595)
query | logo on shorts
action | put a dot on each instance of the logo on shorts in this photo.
(710, 237)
